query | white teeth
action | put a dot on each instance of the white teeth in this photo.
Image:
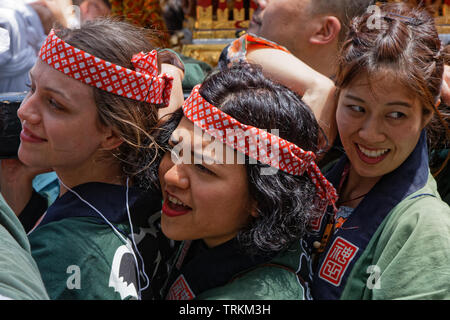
(175, 201)
(372, 153)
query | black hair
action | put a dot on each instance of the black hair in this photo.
(285, 203)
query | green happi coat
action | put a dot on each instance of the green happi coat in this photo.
(396, 242)
(410, 252)
(80, 256)
(19, 275)
(226, 273)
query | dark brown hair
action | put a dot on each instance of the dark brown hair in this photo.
(133, 121)
(402, 40)
(284, 202)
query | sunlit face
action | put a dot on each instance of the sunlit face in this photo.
(379, 128)
(202, 201)
(60, 127)
(255, 22)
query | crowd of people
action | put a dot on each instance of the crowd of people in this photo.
(311, 163)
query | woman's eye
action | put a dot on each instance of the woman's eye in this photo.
(172, 141)
(30, 87)
(173, 154)
(55, 104)
(203, 169)
(356, 108)
(396, 115)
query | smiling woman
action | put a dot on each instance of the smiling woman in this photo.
(57, 107)
(390, 237)
(379, 125)
(218, 205)
(93, 103)
(242, 216)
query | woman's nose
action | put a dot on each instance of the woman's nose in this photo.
(372, 131)
(28, 110)
(176, 177)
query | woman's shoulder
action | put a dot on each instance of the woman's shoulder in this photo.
(78, 227)
(279, 279)
(411, 251)
(81, 236)
(266, 282)
(423, 205)
(83, 258)
(421, 216)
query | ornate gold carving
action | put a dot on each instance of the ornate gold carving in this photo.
(208, 53)
(211, 26)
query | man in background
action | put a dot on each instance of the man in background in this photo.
(23, 28)
(312, 30)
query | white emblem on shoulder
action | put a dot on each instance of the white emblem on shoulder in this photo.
(123, 276)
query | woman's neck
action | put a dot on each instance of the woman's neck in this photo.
(356, 188)
(105, 172)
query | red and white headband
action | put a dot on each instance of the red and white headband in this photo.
(289, 157)
(142, 84)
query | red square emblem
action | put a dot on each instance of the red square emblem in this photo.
(337, 260)
(180, 290)
(316, 223)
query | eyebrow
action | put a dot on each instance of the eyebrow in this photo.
(399, 103)
(393, 103)
(354, 98)
(53, 90)
(197, 155)
(204, 158)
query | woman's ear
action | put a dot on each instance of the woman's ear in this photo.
(111, 140)
(254, 209)
(427, 115)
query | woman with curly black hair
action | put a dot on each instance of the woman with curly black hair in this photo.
(240, 197)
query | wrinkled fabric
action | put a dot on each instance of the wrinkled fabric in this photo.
(78, 253)
(226, 273)
(19, 276)
(21, 36)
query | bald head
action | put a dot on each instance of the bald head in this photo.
(311, 29)
(345, 10)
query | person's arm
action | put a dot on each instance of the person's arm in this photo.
(317, 90)
(176, 96)
(172, 65)
(16, 183)
(445, 89)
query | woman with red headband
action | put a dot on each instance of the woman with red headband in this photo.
(93, 102)
(238, 192)
(390, 237)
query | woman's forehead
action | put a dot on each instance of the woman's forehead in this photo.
(46, 76)
(202, 143)
(383, 84)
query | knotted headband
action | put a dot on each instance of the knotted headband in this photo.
(142, 84)
(280, 154)
(240, 47)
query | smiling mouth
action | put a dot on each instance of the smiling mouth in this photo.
(371, 156)
(27, 136)
(174, 207)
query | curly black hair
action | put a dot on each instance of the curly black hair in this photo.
(285, 203)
